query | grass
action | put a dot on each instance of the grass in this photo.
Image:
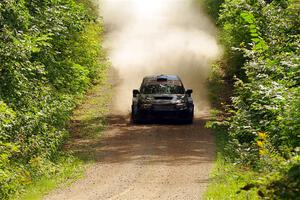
(227, 179)
(88, 119)
(69, 169)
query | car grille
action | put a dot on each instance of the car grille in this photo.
(163, 98)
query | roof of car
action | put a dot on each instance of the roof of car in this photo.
(162, 76)
(158, 79)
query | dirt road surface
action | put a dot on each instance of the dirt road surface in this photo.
(153, 161)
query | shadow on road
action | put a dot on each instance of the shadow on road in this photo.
(161, 143)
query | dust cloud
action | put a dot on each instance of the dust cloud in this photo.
(146, 37)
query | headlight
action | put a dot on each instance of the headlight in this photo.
(180, 101)
(146, 100)
(181, 105)
(145, 103)
(146, 106)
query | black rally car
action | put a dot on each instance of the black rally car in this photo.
(162, 96)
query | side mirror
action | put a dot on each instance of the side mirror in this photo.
(135, 93)
(189, 92)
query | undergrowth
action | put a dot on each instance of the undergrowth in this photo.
(50, 55)
(260, 117)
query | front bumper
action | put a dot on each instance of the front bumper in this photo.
(165, 111)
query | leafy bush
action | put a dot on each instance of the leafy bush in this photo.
(262, 49)
(50, 53)
(213, 7)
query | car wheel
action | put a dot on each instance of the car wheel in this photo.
(135, 115)
(190, 118)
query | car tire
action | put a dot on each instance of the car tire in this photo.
(135, 118)
(190, 118)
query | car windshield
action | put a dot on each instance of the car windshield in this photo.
(162, 88)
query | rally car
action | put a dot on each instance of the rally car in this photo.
(162, 97)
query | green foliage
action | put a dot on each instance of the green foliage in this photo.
(267, 102)
(227, 178)
(284, 184)
(218, 88)
(50, 51)
(212, 7)
(262, 51)
(61, 171)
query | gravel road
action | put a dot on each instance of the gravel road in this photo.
(153, 161)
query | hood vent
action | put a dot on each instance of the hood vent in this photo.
(163, 98)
